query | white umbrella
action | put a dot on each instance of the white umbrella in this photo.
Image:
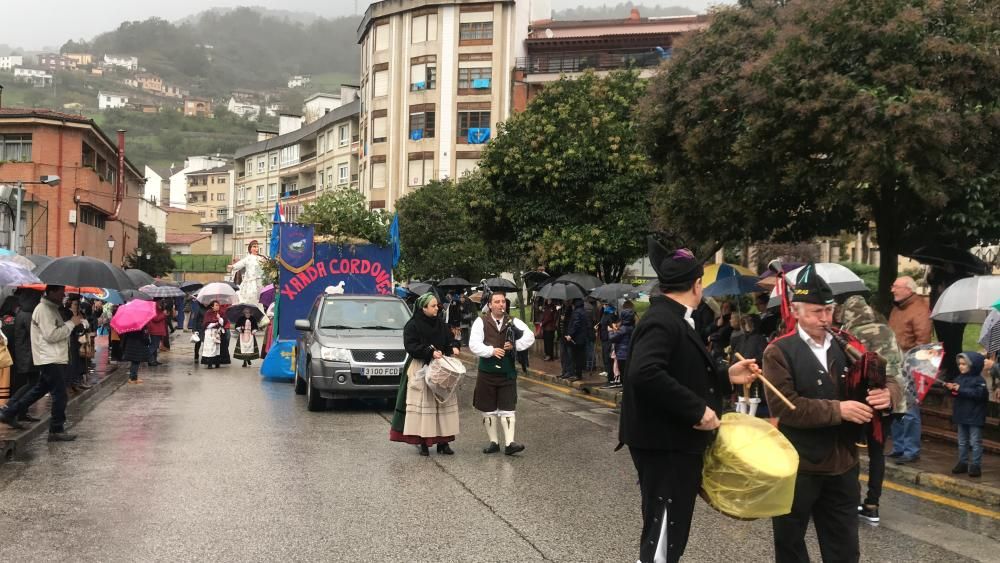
(12, 273)
(842, 281)
(968, 300)
(217, 291)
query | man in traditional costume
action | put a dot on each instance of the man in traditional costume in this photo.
(495, 337)
(812, 369)
(671, 401)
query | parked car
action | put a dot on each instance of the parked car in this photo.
(350, 346)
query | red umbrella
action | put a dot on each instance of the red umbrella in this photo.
(133, 316)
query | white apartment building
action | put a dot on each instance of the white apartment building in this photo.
(243, 109)
(9, 62)
(304, 160)
(435, 82)
(154, 216)
(122, 61)
(111, 100)
(38, 78)
(178, 194)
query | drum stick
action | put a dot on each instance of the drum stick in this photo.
(768, 384)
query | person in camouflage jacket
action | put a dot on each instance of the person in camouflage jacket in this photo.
(859, 319)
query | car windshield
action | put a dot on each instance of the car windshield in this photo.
(364, 314)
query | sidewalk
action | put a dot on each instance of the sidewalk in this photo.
(931, 472)
(105, 380)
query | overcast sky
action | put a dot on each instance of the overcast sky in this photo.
(34, 24)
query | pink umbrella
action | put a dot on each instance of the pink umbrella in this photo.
(133, 316)
(267, 296)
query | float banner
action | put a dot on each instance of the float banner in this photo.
(279, 362)
(358, 269)
(296, 247)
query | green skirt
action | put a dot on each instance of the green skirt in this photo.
(399, 415)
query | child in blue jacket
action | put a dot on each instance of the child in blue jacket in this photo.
(969, 412)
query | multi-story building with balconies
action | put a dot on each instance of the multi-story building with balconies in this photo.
(296, 165)
(209, 191)
(435, 82)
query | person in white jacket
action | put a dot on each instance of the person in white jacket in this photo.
(495, 337)
(50, 352)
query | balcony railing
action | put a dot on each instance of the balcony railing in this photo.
(556, 63)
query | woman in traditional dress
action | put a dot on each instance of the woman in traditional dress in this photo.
(246, 344)
(211, 344)
(419, 418)
(253, 274)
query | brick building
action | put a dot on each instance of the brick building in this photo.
(78, 215)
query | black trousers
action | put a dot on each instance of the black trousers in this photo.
(549, 337)
(52, 380)
(22, 382)
(832, 503)
(876, 462)
(669, 482)
(579, 358)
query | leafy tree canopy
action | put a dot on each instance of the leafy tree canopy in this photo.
(344, 215)
(564, 182)
(436, 235)
(159, 262)
(788, 120)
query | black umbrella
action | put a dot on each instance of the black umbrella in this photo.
(85, 271)
(138, 277)
(133, 294)
(191, 286)
(614, 291)
(166, 283)
(500, 283)
(536, 279)
(585, 281)
(454, 283)
(235, 313)
(39, 260)
(563, 291)
(419, 288)
(945, 255)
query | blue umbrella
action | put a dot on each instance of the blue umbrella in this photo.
(735, 285)
(107, 295)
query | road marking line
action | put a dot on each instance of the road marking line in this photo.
(939, 499)
(571, 393)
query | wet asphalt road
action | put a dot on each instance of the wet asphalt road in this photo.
(198, 465)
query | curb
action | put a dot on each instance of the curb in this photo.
(77, 407)
(940, 483)
(589, 387)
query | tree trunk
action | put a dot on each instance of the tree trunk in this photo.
(887, 234)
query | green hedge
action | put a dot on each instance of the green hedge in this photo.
(201, 262)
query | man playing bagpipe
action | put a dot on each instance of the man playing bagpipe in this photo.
(836, 388)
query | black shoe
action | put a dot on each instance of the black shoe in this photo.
(492, 448)
(512, 448)
(445, 449)
(10, 421)
(424, 451)
(895, 454)
(28, 418)
(907, 459)
(869, 512)
(608, 385)
(960, 468)
(975, 471)
(573, 379)
(61, 437)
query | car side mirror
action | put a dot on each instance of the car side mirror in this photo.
(303, 325)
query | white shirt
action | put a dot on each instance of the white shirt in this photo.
(476, 336)
(687, 316)
(818, 350)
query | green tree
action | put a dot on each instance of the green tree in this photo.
(434, 231)
(789, 120)
(344, 215)
(159, 262)
(564, 183)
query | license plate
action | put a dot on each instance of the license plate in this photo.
(372, 372)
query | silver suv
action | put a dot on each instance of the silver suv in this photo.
(350, 346)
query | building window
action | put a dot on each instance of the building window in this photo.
(476, 31)
(260, 194)
(92, 217)
(475, 80)
(238, 223)
(380, 83)
(423, 74)
(321, 144)
(220, 197)
(379, 125)
(260, 165)
(222, 213)
(473, 126)
(344, 135)
(465, 165)
(329, 176)
(290, 155)
(248, 166)
(343, 173)
(272, 192)
(381, 37)
(319, 179)
(239, 196)
(424, 28)
(274, 161)
(420, 170)
(421, 125)
(378, 176)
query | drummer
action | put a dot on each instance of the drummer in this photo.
(671, 402)
(808, 368)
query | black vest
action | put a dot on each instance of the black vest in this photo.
(812, 381)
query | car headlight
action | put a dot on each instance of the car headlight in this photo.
(335, 354)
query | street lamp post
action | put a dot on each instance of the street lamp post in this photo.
(111, 248)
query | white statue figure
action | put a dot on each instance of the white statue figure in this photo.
(253, 274)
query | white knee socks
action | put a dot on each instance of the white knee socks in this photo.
(508, 428)
(491, 421)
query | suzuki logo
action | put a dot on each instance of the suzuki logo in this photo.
(379, 356)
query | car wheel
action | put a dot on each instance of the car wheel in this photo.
(300, 386)
(314, 402)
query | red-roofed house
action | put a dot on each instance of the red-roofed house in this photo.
(190, 243)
